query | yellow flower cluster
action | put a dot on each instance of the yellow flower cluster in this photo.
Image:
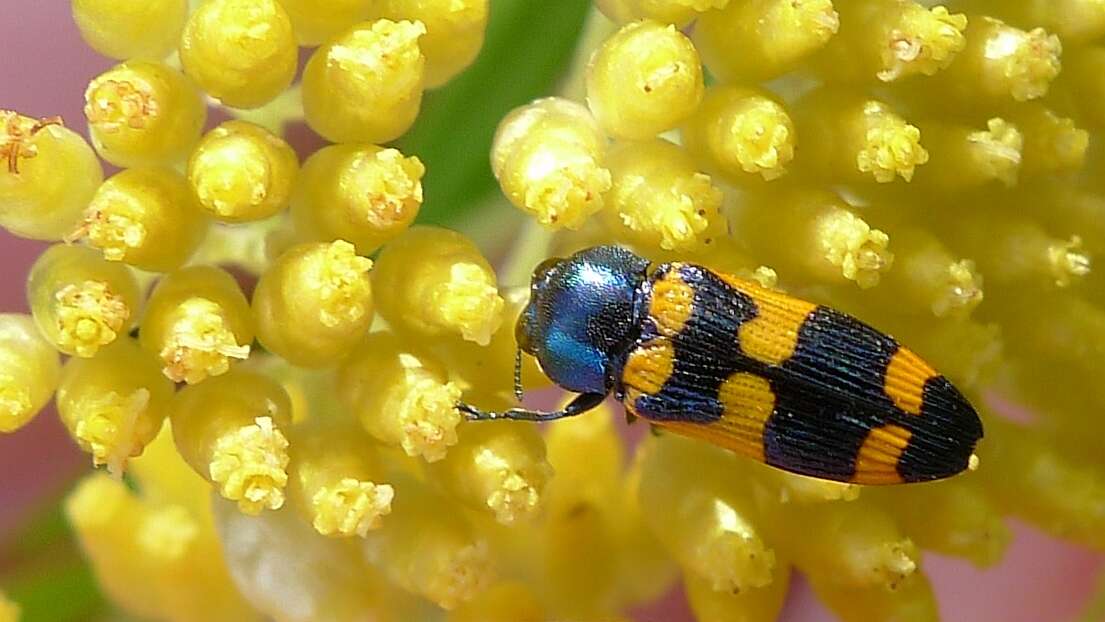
(296, 448)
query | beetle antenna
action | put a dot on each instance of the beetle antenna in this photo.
(518, 374)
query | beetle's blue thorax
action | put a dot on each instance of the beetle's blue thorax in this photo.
(579, 319)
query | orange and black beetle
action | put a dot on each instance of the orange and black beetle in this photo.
(799, 386)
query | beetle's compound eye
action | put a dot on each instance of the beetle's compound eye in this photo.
(523, 330)
(543, 268)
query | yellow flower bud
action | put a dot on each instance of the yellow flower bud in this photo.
(828, 240)
(892, 39)
(498, 468)
(190, 574)
(646, 570)
(433, 281)
(427, 548)
(29, 371)
(361, 193)
(314, 303)
(964, 157)
(241, 172)
(124, 29)
(596, 554)
(660, 199)
(741, 133)
(928, 277)
(1000, 63)
(761, 604)
(643, 80)
(315, 21)
(577, 552)
(454, 32)
(105, 516)
(1059, 403)
(336, 480)
(143, 113)
(911, 601)
(1060, 205)
(81, 301)
(774, 36)
(1067, 261)
(47, 176)
(113, 404)
(289, 573)
(677, 12)
(849, 137)
(197, 320)
(230, 431)
(1059, 327)
(503, 602)
(701, 516)
(145, 217)
(1011, 249)
(401, 396)
(1053, 144)
(163, 541)
(548, 157)
(953, 517)
(242, 52)
(587, 456)
(366, 84)
(489, 370)
(1081, 84)
(852, 245)
(856, 543)
(1074, 21)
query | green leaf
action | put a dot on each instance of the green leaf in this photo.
(45, 528)
(528, 47)
(57, 592)
(44, 572)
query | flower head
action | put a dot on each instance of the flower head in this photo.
(281, 361)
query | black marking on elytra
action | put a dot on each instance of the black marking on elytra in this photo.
(817, 434)
(839, 355)
(944, 434)
(829, 395)
(705, 350)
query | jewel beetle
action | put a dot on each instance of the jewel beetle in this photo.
(796, 385)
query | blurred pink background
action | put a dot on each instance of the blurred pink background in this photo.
(44, 66)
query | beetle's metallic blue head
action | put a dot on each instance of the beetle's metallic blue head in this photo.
(580, 315)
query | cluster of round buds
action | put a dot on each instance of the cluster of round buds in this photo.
(219, 307)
